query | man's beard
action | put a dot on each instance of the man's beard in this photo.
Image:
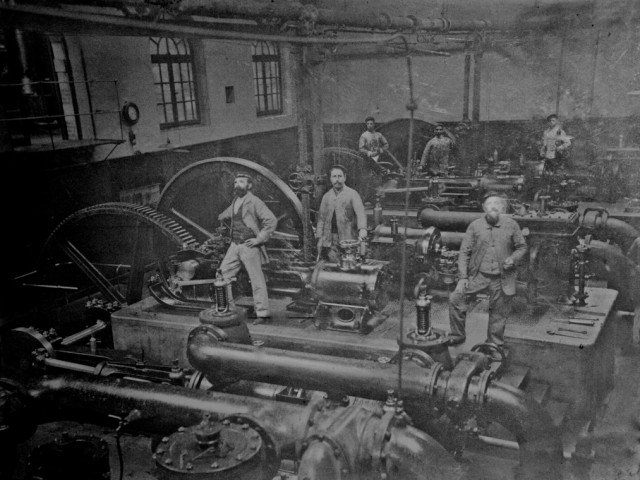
(240, 192)
(492, 218)
(338, 186)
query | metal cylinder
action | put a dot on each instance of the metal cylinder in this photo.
(311, 371)
(361, 287)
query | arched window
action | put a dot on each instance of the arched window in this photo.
(174, 81)
(267, 78)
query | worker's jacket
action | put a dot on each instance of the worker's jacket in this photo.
(257, 216)
(507, 241)
(349, 211)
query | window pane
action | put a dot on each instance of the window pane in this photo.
(168, 112)
(173, 76)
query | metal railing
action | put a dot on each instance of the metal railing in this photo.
(38, 107)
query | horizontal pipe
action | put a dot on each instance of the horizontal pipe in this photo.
(530, 424)
(294, 11)
(361, 378)
(164, 408)
(26, 15)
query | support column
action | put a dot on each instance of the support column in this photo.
(477, 73)
(466, 87)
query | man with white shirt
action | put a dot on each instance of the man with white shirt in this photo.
(341, 215)
(252, 223)
(372, 143)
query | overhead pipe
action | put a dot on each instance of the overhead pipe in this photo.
(309, 13)
(48, 18)
(538, 438)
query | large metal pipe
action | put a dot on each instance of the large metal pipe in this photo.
(622, 274)
(522, 416)
(164, 408)
(623, 233)
(361, 433)
(362, 378)
(538, 439)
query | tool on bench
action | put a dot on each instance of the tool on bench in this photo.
(554, 332)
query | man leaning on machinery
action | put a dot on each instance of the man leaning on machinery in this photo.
(491, 248)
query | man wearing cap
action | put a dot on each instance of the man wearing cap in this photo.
(555, 143)
(252, 223)
(491, 248)
(435, 157)
(341, 215)
(372, 143)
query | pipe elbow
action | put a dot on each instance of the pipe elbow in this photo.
(539, 439)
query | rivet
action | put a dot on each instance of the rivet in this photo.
(165, 439)
(238, 457)
(154, 456)
(214, 465)
(189, 466)
(181, 429)
(254, 447)
(168, 461)
(159, 450)
(245, 426)
(226, 422)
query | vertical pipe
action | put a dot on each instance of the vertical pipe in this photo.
(466, 87)
(560, 66)
(302, 107)
(477, 72)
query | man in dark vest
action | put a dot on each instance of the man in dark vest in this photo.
(491, 248)
(252, 223)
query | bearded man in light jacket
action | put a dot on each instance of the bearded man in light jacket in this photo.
(252, 223)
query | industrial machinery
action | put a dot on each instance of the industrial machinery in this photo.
(344, 383)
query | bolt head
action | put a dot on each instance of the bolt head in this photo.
(245, 426)
(238, 457)
(214, 465)
(168, 461)
(189, 466)
(165, 439)
(181, 429)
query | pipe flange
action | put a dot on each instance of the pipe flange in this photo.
(418, 357)
(487, 348)
(381, 436)
(432, 379)
(478, 387)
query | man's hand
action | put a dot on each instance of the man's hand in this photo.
(508, 263)
(252, 242)
(462, 285)
(362, 233)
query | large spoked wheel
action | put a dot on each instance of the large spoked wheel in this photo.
(197, 194)
(110, 247)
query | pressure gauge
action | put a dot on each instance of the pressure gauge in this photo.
(130, 113)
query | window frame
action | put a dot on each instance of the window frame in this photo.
(171, 59)
(259, 63)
